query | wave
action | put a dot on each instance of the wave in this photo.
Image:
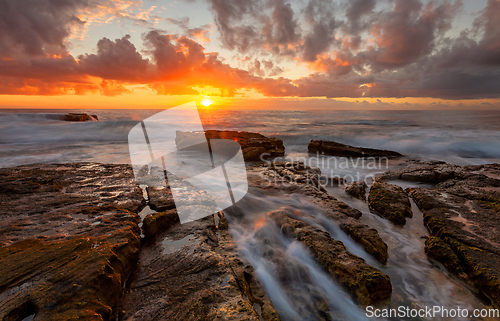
(59, 132)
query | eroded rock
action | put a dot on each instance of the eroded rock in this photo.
(68, 232)
(298, 178)
(462, 213)
(367, 284)
(389, 201)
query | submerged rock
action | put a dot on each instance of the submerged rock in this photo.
(253, 145)
(337, 149)
(390, 201)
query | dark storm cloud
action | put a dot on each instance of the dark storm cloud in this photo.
(409, 32)
(356, 10)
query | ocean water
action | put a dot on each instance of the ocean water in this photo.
(460, 137)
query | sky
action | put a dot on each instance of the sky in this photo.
(357, 54)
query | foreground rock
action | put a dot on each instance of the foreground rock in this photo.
(462, 213)
(70, 242)
(297, 178)
(68, 232)
(367, 284)
(336, 149)
(188, 271)
(389, 201)
(253, 145)
(191, 272)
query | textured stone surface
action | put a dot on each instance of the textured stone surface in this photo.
(68, 232)
(389, 201)
(462, 213)
(188, 272)
(70, 246)
(297, 178)
(367, 284)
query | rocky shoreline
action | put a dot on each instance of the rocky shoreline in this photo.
(462, 213)
(76, 241)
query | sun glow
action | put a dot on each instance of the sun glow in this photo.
(207, 102)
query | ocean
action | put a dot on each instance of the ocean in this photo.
(460, 137)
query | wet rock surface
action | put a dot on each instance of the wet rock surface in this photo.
(389, 201)
(337, 149)
(69, 231)
(367, 284)
(357, 189)
(160, 198)
(297, 178)
(70, 244)
(253, 145)
(191, 272)
(462, 213)
(307, 181)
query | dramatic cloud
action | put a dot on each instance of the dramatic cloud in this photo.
(118, 60)
(359, 48)
(36, 28)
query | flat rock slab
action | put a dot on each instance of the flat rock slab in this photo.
(54, 201)
(69, 238)
(337, 149)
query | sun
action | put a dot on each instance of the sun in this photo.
(207, 102)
